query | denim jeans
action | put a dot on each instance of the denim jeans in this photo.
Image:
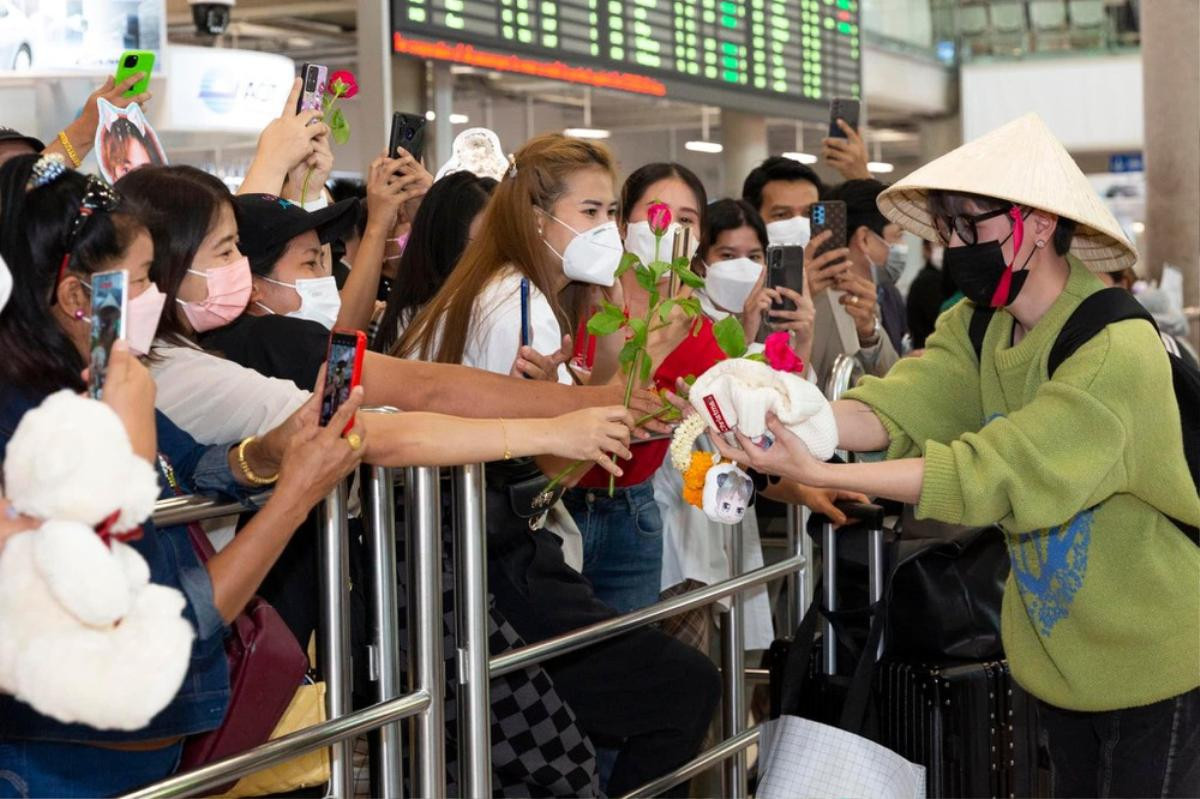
(1152, 750)
(622, 543)
(67, 771)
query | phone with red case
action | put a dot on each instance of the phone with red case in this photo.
(343, 371)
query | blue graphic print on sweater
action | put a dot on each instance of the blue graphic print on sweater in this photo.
(1049, 569)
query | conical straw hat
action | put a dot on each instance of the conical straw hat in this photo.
(1023, 163)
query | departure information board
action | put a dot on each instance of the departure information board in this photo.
(786, 50)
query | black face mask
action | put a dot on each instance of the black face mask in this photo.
(978, 269)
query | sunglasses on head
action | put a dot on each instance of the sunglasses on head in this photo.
(97, 197)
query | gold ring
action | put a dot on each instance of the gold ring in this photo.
(355, 441)
(854, 299)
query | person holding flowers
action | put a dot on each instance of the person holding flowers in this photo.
(547, 243)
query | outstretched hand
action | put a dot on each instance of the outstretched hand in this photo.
(788, 457)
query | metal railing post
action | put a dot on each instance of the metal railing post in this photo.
(829, 565)
(381, 514)
(733, 662)
(798, 587)
(426, 599)
(470, 552)
(335, 635)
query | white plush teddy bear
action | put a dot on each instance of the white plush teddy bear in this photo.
(737, 394)
(84, 635)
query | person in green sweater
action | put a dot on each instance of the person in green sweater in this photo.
(1101, 613)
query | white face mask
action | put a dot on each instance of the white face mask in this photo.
(797, 230)
(5, 284)
(730, 283)
(319, 300)
(639, 240)
(593, 255)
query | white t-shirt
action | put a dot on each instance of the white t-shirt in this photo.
(495, 333)
(216, 401)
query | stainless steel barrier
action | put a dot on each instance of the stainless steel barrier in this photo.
(425, 702)
(474, 706)
(334, 649)
(733, 681)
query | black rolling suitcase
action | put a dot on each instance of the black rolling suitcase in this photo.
(968, 723)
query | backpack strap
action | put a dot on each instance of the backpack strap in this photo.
(1095, 313)
(980, 319)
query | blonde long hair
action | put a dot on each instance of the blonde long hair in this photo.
(508, 236)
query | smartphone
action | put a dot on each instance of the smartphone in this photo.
(681, 247)
(343, 371)
(312, 90)
(844, 108)
(408, 133)
(785, 267)
(526, 329)
(132, 62)
(109, 304)
(830, 216)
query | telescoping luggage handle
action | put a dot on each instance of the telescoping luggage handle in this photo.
(800, 653)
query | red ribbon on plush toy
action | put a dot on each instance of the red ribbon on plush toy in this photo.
(105, 530)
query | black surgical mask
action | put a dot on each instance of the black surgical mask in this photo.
(977, 271)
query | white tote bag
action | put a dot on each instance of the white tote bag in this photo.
(803, 759)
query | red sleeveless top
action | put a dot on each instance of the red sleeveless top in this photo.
(694, 356)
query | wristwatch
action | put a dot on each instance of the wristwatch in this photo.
(873, 339)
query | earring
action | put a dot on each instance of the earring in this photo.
(79, 314)
(1039, 244)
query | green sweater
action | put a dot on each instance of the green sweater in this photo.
(1102, 606)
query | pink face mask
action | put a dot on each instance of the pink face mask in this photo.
(142, 319)
(228, 292)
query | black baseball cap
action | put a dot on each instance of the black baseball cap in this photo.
(8, 134)
(266, 224)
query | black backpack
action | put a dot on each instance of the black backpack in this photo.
(1095, 313)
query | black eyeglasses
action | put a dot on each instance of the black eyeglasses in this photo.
(965, 225)
(97, 197)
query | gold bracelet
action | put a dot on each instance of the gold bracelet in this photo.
(507, 451)
(66, 143)
(249, 473)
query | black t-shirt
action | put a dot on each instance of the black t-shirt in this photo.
(276, 346)
(928, 291)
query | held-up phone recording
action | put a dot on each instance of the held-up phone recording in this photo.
(131, 63)
(343, 371)
(109, 304)
(312, 89)
(830, 216)
(846, 109)
(526, 324)
(681, 247)
(408, 133)
(785, 269)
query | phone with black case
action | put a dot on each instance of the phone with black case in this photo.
(845, 109)
(831, 216)
(785, 269)
(312, 87)
(408, 133)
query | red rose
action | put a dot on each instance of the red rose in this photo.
(780, 355)
(343, 84)
(659, 217)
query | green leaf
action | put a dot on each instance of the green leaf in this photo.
(339, 127)
(690, 278)
(628, 261)
(628, 353)
(646, 279)
(730, 337)
(690, 380)
(682, 262)
(606, 321)
(664, 310)
(758, 356)
(646, 367)
(638, 326)
(690, 306)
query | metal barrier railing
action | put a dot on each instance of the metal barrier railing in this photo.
(425, 701)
